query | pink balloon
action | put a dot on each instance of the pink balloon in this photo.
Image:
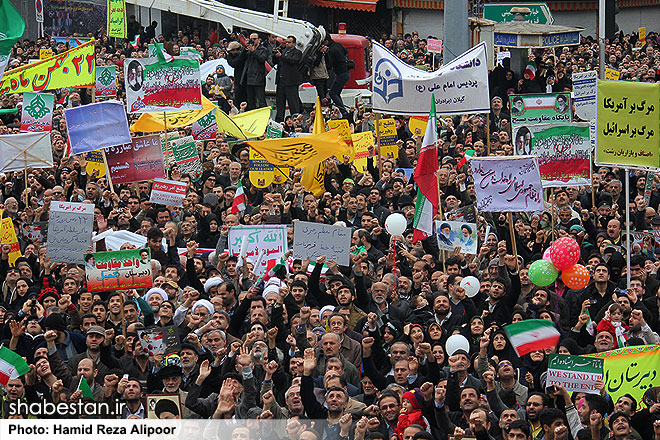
(546, 255)
(565, 253)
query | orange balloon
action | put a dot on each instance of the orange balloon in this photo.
(577, 277)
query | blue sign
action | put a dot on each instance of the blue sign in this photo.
(502, 39)
(563, 39)
(95, 126)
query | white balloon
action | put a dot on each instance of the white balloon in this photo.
(471, 286)
(396, 224)
(455, 343)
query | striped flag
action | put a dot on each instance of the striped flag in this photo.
(530, 69)
(12, 365)
(163, 56)
(136, 41)
(426, 205)
(273, 266)
(466, 158)
(238, 205)
(590, 327)
(532, 334)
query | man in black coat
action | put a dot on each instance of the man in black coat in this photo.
(289, 78)
(254, 74)
(236, 59)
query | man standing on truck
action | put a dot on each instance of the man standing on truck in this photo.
(337, 61)
(289, 78)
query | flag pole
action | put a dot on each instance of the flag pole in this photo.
(167, 142)
(380, 163)
(27, 197)
(107, 170)
(442, 252)
(488, 133)
(591, 179)
(552, 219)
(512, 233)
(627, 171)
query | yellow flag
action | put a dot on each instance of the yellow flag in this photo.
(8, 235)
(304, 151)
(152, 122)
(319, 125)
(362, 142)
(254, 122)
(72, 68)
(313, 179)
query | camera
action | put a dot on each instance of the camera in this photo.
(251, 41)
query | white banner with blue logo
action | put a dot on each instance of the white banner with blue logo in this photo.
(460, 86)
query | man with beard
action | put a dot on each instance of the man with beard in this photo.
(592, 415)
(297, 298)
(130, 391)
(640, 329)
(387, 306)
(97, 350)
(443, 315)
(294, 406)
(330, 347)
(536, 402)
(189, 367)
(389, 406)
(505, 373)
(468, 402)
(336, 421)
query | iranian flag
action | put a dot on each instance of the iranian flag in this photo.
(239, 200)
(426, 205)
(12, 365)
(136, 41)
(466, 158)
(530, 69)
(532, 334)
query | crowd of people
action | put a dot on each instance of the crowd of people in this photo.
(353, 351)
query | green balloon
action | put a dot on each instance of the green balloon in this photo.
(542, 273)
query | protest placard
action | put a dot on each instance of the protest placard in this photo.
(106, 81)
(44, 54)
(460, 86)
(8, 236)
(585, 87)
(205, 128)
(261, 172)
(264, 243)
(140, 160)
(116, 23)
(159, 340)
(168, 192)
(69, 231)
(627, 124)
(361, 142)
(507, 184)
(166, 147)
(575, 373)
(25, 150)
(95, 126)
(612, 74)
(72, 68)
(417, 125)
(95, 165)
(35, 231)
(563, 152)
(147, 89)
(313, 240)
(536, 109)
(452, 234)
(344, 129)
(37, 113)
(388, 137)
(434, 45)
(274, 130)
(129, 269)
(186, 157)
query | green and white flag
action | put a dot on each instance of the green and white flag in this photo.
(84, 387)
(12, 27)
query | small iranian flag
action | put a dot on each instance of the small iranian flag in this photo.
(273, 266)
(466, 158)
(590, 327)
(163, 56)
(530, 69)
(12, 365)
(136, 41)
(84, 387)
(532, 334)
(239, 200)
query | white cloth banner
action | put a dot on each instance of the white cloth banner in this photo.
(460, 86)
(264, 243)
(25, 150)
(507, 184)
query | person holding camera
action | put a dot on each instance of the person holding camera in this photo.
(289, 78)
